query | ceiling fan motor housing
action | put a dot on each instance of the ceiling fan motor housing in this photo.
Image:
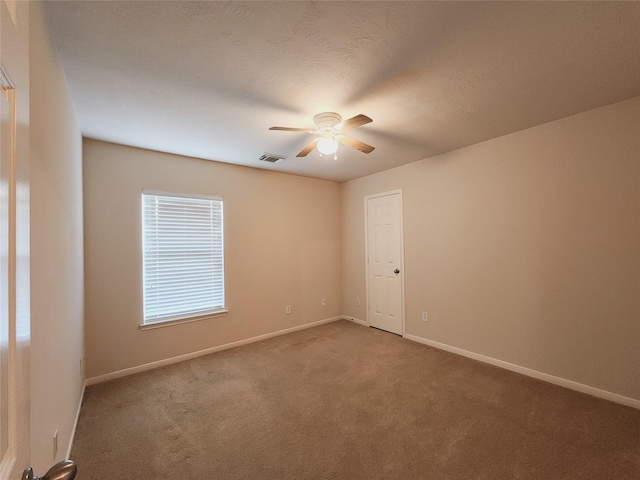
(325, 123)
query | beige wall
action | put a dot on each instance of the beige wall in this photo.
(525, 248)
(57, 300)
(282, 246)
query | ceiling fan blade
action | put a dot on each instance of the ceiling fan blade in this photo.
(310, 146)
(353, 122)
(291, 129)
(357, 144)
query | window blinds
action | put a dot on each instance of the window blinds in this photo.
(183, 258)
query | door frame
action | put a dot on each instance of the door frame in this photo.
(8, 462)
(366, 253)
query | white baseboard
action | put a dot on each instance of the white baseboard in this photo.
(355, 320)
(75, 422)
(596, 392)
(188, 356)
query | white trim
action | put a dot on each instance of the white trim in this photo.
(5, 81)
(188, 356)
(8, 462)
(355, 320)
(183, 319)
(366, 253)
(75, 423)
(579, 387)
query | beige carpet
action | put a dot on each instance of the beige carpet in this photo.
(341, 401)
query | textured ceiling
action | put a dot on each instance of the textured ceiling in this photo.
(207, 79)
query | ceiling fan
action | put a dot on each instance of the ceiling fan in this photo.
(329, 128)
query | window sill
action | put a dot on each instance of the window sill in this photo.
(179, 321)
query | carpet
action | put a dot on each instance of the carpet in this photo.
(342, 401)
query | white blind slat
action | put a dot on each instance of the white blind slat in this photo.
(183, 259)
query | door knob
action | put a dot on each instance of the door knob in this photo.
(64, 470)
(396, 271)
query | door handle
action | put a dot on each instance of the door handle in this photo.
(64, 470)
(396, 271)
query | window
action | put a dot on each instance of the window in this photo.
(183, 258)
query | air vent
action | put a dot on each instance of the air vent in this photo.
(271, 158)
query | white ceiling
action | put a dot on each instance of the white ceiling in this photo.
(207, 79)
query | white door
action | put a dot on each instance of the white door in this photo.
(6, 457)
(385, 261)
(14, 321)
(15, 334)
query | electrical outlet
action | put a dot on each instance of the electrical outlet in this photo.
(425, 317)
(287, 309)
(324, 302)
(357, 302)
(55, 444)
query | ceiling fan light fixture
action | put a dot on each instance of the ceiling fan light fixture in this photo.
(327, 146)
(329, 128)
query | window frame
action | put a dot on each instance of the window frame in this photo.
(185, 317)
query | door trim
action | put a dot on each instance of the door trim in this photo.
(366, 254)
(8, 462)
